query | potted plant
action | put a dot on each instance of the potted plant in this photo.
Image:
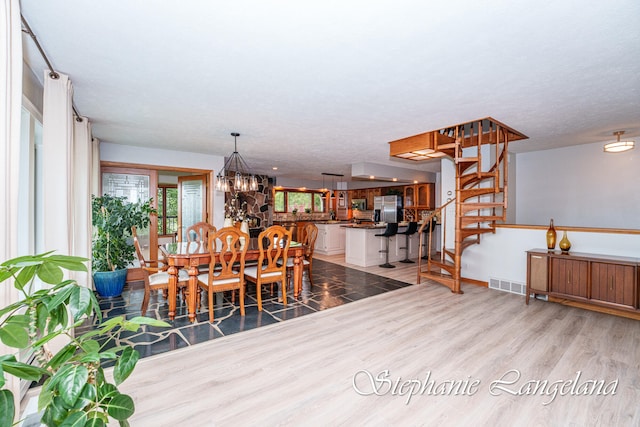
(112, 248)
(75, 390)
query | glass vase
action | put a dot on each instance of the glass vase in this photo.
(551, 236)
(564, 244)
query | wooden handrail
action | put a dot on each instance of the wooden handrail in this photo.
(427, 222)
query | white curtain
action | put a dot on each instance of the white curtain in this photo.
(68, 171)
(10, 112)
(57, 168)
(81, 184)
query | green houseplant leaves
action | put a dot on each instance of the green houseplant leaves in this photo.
(112, 219)
(75, 391)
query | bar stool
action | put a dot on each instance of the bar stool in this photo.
(391, 230)
(428, 230)
(411, 229)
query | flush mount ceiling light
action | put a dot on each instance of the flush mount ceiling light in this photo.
(236, 174)
(619, 146)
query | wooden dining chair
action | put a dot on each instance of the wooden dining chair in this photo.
(226, 269)
(155, 274)
(308, 238)
(199, 232)
(273, 244)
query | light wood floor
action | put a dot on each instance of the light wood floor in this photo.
(301, 372)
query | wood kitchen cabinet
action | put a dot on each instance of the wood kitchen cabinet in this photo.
(417, 198)
(594, 281)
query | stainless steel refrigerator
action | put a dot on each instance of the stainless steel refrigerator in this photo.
(388, 208)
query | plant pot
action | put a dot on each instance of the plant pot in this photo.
(110, 283)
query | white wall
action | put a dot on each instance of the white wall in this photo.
(168, 158)
(502, 255)
(579, 186)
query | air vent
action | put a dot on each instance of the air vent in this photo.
(507, 286)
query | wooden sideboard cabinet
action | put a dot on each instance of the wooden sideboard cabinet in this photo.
(596, 281)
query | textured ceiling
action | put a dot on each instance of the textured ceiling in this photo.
(315, 86)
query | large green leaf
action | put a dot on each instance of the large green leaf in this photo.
(76, 419)
(141, 320)
(79, 302)
(71, 383)
(23, 370)
(61, 297)
(106, 391)
(11, 307)
(62, 356)
(87, 397)
(50, 273)
(13, 335)
(41, 317)
(7, 408)
(95, 419)
(69, 262)
(45, 397)
(125, 364)
(25, 275)
(90, 346)
(6, 272)
(121, 407)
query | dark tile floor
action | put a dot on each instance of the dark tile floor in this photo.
(333, 285)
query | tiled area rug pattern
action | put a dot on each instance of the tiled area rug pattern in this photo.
(333, 285)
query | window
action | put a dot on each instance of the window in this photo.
(288, 200)
(167, 209)
(30, 215)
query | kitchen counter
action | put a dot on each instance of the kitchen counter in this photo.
(365, 226)
(362, 246)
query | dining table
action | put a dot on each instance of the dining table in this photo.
(190, 255)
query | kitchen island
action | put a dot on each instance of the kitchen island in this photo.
(331, 238)
(362, 246)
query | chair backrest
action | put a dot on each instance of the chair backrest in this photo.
(391, 230)
(227, 247)
(136, 244)
(199, 232)
(273, 243)
(412, 228)
(310, 234)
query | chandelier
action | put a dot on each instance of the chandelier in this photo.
(236, 174)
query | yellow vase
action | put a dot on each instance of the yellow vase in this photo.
(564, 244)
(551, 237)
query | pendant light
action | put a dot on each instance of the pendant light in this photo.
(236, 174)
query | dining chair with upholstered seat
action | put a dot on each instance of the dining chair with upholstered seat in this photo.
(308, 236)
(226, 269)
(154, 274)
(199, 232)
(273, 244)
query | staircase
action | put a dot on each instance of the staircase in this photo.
(479, 152)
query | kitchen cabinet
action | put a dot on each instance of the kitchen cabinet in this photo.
(601, 282)
(418, 198)
(330, 240)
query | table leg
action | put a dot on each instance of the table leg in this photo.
(173, 290)
(297, 276)
(191, 295)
